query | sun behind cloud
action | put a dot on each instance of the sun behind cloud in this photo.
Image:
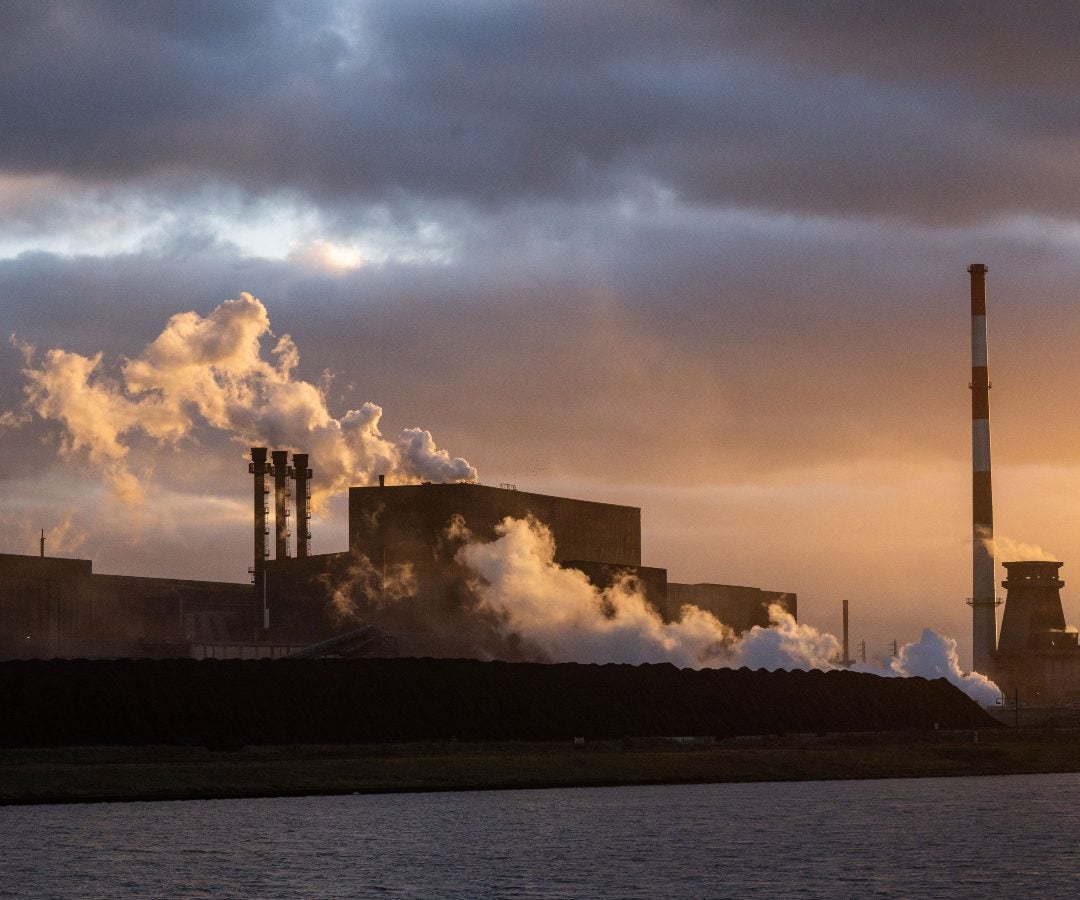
(326, 255)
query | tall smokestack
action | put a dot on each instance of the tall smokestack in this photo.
(281, 503)
(847, 658)
(260, 470)
(301, 474)
(983, 595)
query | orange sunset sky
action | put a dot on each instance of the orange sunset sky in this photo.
(705, 259)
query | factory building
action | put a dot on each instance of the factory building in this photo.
(400, 573)
(401, 570)
(1035, 659)
(51, 607)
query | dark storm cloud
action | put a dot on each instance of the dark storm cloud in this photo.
(985, 45)
(928, 112)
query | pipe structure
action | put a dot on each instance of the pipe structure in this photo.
(301, 475)
(983, 594)
(282, 471)
(260, 469)
(847, 659)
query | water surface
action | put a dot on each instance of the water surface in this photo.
(956, 837)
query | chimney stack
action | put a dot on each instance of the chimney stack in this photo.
(301, 474)
(847, 659)
(281, 502)
(259, 468)
(983, 594)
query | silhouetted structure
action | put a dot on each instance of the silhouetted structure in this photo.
(52, 607)
(1038, 658)
(983, 595)
(400, 574)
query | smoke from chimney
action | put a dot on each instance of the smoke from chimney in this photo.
(559, 611)
(212, 372)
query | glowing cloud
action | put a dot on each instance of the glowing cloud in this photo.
(326, 256)
(211, 371)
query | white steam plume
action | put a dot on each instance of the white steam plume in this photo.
(935, 656)
(1008, 550)
(378, 588)
(212, 370)
(571, 620)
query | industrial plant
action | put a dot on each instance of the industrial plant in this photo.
(398, 589)
(1036, 659)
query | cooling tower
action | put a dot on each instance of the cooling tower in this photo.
(1034, 621)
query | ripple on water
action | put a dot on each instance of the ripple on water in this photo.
(959, 837)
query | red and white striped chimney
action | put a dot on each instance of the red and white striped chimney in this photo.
(983, 594)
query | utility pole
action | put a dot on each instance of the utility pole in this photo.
(42, 543)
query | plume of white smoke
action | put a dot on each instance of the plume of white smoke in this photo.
(935, 656)
(1007, 549)
(376, 588)
(213, 370)
(572, 620)
(785, 644)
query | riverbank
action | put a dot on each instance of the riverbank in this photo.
(96, 774)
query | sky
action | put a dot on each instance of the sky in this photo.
(708, 259)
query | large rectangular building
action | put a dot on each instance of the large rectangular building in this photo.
(409, 522)
(54, 607)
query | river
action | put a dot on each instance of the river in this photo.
(948, 837)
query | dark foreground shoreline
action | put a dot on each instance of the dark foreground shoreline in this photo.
(105, 774)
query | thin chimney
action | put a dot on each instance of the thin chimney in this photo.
(260, 469)
(282, 471)
(847, 658)
(301, 475)
(983, 594)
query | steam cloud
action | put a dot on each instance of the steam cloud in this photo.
(572, 620)
(212, 370)
(1005, 548)
(516, 578)
(935, 656)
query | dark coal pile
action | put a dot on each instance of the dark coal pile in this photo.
(234, 703)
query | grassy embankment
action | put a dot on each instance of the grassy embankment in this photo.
(75, 774)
